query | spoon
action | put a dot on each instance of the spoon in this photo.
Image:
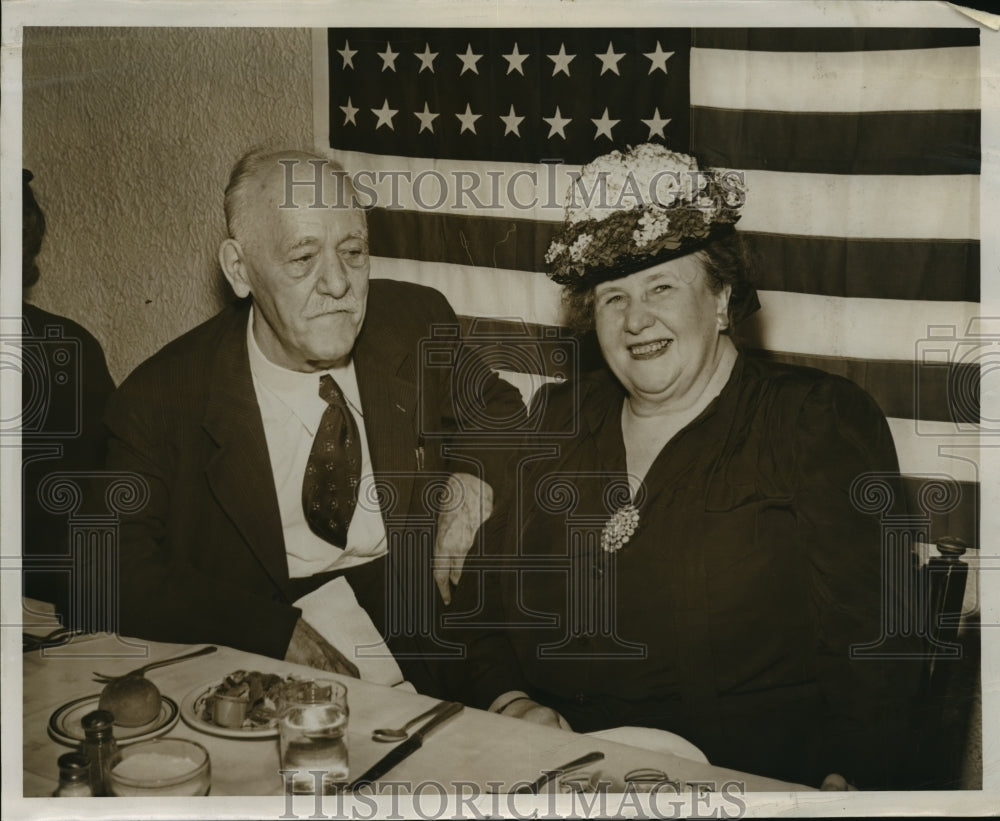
(402, 733)
(101, 678)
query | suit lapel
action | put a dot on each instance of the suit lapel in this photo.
(388, 391)
(240, 472)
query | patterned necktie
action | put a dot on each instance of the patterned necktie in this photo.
(329, 488)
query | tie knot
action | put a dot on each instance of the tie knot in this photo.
(330, 391)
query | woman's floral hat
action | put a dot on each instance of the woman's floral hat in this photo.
(628, 211)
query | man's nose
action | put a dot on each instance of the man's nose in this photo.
(333, 280)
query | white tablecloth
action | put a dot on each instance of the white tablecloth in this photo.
(475, 746)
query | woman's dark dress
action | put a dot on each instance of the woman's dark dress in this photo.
(729, 615)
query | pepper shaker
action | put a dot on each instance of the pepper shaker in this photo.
(100, 747)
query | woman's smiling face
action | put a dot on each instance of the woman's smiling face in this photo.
(659, 331)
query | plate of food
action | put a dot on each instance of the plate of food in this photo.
(244, 704)
(66, 728)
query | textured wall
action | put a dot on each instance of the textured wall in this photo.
(130, 134)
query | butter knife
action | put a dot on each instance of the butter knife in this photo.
(398, 754)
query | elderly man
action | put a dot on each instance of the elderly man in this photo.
(276, 437)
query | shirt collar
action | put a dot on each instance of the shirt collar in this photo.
(298, 391)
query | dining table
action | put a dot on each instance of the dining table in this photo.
(492, 752)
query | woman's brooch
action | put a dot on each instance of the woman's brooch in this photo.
(620, 528)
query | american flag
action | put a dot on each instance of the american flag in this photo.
(862, 156)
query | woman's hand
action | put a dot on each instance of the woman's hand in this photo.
(521, 706)
(537, 714)
(835, 782)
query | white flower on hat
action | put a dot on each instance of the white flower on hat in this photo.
(577, 249)
(631, 207)
(556, 249)
(647, 176)
(653, 223)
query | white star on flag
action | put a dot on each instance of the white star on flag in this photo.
(604, 125)
(469, 60)
(426, 119)
(655, 124)
(349, 112)
(426, 59)
(557, 123)
(609, 60)
(514, 61)
(468, 120)
(385, 115)
(658, 58)
(561, 60)
(388, 57)
(347, 53)
(512, 122)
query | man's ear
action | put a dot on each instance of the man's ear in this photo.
(233, 266)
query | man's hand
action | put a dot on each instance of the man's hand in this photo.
(471, 504)
(835, 782)
(309, 648)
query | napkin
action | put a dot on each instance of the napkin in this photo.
(333, 611)
(38, 618)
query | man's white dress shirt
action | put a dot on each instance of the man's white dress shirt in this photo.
(291, 409)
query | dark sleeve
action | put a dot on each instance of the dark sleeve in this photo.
(64, 405)
(97, 386)
(163, 595)
(65, 399)
(840, 435)
(490, 668)
(480, 414)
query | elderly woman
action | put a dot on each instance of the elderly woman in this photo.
(686, 554)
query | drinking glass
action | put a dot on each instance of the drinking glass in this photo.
(312, 733)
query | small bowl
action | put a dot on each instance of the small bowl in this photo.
(230, 711)
(161, 766)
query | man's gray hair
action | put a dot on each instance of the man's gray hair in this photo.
(254, 165)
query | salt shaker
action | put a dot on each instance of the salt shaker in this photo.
(100, 747)
(74, 776)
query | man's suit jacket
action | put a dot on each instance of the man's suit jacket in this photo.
(204, 559)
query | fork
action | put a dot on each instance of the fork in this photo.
(102, 678)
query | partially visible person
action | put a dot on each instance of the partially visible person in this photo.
(290, 444)
(65, 385)
(692, 559)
